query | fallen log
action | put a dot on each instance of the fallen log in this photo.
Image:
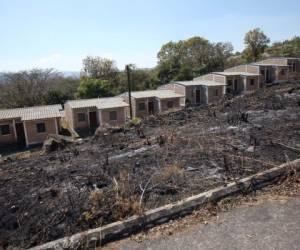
(286, 146)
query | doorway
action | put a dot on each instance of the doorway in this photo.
(268, 78)
(151, 107)
(93, 119)
(198, 97)
(235, 85)
(20, 134)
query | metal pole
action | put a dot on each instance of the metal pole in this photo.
(129, 90)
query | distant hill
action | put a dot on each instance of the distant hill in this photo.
(75, 74)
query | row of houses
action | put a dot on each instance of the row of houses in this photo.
(30, 126)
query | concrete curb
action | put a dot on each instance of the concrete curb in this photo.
(116, 230)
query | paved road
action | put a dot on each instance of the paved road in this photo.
(272, 225)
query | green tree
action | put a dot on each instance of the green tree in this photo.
(55, 97)
(185, 73)
(188, 58)
(169, 61)
(256, 42)
(234, 60)
(287, 48)
(142, 79)
(196, 52)
(93, 88)
(220, 54)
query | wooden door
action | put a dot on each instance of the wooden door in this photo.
(151, 107)
(93, 119)
(235, 85)
(20, 133)
(198, 97)
(268, 76)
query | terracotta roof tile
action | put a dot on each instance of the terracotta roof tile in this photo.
(32, 113)
(99, 103)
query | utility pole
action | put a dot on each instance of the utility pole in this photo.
(129, 90)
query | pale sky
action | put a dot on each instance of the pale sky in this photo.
(60, 33)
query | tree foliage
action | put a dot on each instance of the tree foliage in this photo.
(256, 42)
(142, 79)
(235, 59)
(100, 68)
(56, 96)
(93, 88)
(26, 88)
(35, 87)
(287, 48)
(188, 58)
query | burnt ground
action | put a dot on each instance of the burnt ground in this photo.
(119, 173)
(268, 218)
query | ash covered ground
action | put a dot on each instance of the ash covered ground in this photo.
(121, 172)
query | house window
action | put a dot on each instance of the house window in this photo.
(81, 117)
(170, 104)
(252, 82)
(216, 92)
(229, 82)
(141, 106)
(262, 72)
(40, 127)
(5, 129)
(282, 72)
(113, 115)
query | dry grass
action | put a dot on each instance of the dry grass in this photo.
(96, 199)
(125, 204)
(169, 172)
(278, 192)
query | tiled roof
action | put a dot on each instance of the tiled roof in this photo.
(211, 83)
(161, 94)
(268, 64)
(197, 82)
(32, 113)
(188, 83)
(99, 103)
(232, 73)
(282, 57)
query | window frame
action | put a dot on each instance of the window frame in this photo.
(38, 128)
(9, 130)
(139, 107)
(115, 113)
(81, 114)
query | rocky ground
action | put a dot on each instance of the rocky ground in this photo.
(121, 172)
